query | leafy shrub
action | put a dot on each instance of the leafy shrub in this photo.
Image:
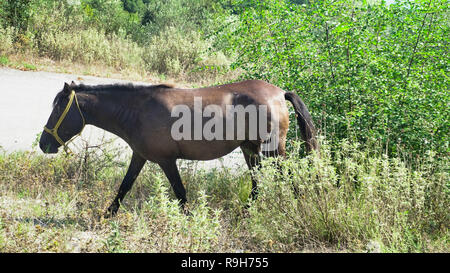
(16, 13)
(110, 16)
(368, 71)
(184, 15)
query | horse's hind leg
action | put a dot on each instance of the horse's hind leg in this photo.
(280, 153)
(170, 169)
(252, 158)
(279, 147)
(136, 164)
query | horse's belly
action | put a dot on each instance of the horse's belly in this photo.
(206, 150)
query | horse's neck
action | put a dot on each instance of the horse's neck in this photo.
(109, 113)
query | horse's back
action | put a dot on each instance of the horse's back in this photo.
(254, 93)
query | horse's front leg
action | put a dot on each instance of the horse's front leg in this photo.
(171, 170)
(137, 162)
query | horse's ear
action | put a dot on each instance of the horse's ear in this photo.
(66, 88)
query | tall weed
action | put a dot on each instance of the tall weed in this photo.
(350, 199)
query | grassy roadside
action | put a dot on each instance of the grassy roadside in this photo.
(358, 200)
(28, 62)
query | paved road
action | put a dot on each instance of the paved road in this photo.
(25, 105)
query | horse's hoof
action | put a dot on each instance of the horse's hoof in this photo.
(110, 212)
(186, 211)
(108, 215)
(245, 213)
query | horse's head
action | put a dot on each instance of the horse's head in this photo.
(65, 121)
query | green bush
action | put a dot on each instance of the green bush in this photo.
(369, 71)
(110, 16)
(184, 15)
(16, 13)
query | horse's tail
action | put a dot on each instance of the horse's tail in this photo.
(307, 129)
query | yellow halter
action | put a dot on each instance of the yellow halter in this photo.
(54, 131)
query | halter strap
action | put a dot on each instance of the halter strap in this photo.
(54, 131)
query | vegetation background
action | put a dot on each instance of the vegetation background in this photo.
(373, 74)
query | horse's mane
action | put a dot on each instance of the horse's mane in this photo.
(129, 87)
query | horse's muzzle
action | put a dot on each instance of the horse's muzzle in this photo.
(48, 149)
(47, 146)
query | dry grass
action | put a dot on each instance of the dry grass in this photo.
(170, 57)
(56, 204)
(33, 63)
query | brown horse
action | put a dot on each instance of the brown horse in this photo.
(144, 117)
